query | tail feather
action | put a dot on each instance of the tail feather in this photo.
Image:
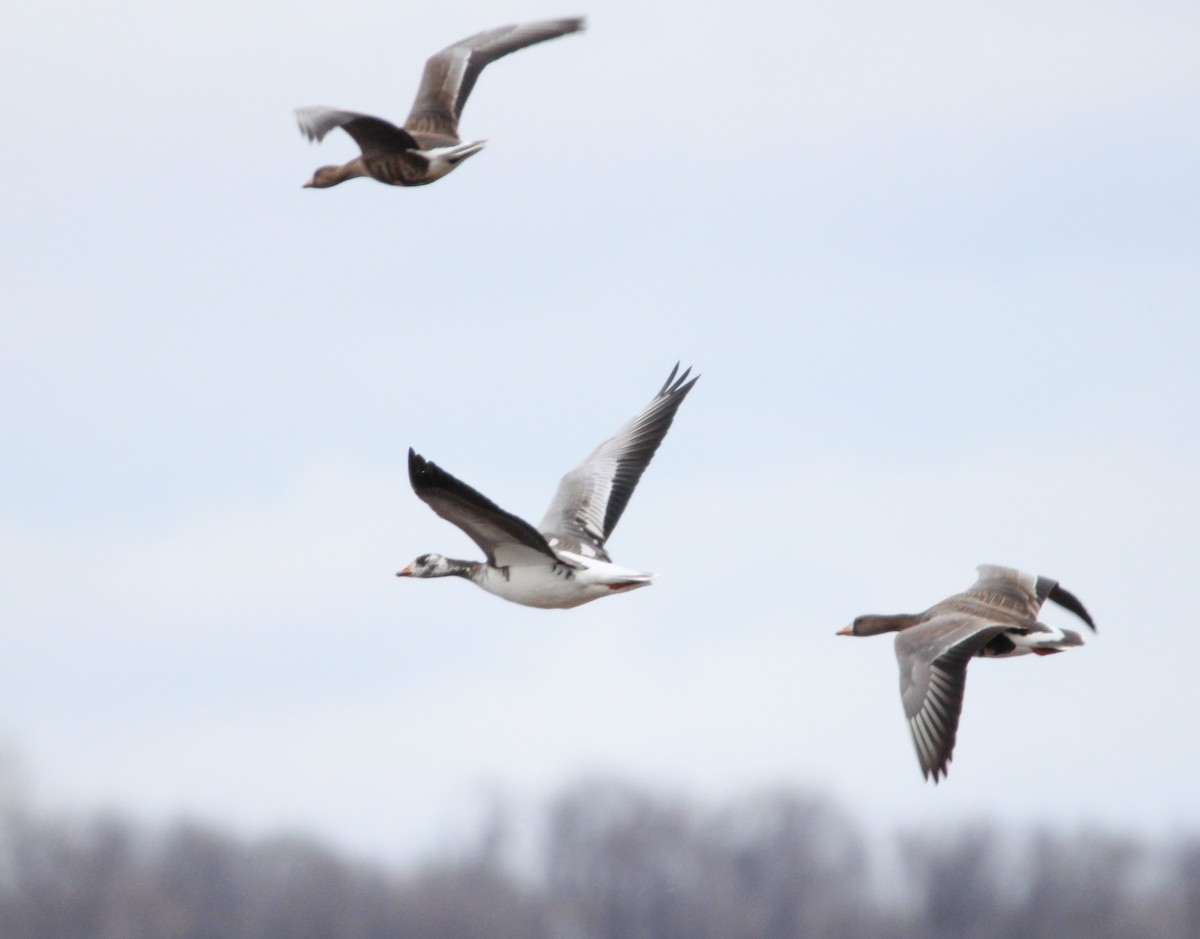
(621, 585)
(628, 580)
(1056, 640)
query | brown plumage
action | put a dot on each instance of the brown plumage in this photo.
(427, 147)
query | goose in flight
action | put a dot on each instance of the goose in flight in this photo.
(563, 562)
(427, 147)
(995, 618)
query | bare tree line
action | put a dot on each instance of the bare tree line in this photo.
(615, 862)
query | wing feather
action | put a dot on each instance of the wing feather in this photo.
(1068, 601)
(372, 134)
(933, 659)
(505, 538)
(592, 497)
(1013, 593)
(450, 75)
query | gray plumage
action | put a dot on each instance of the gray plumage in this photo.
(592, 497)
(996, 618)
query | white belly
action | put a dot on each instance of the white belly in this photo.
(559, 587)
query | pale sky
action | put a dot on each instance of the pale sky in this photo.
(937, 266)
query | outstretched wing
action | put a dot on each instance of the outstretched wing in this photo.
(451, 74)
(1009, 591)
(372, 134)
(508, 541)
(933, 659)
(1068, 601)
(1020, 594)
(592, 496)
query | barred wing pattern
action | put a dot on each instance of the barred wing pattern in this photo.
(933, 660)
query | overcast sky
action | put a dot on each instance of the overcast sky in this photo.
(938, 267)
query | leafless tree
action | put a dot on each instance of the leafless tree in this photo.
(619, 862)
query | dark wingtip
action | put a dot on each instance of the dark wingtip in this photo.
(678, 385)
(938, 770)
(418, 467)
(1068, 601)
(670, 378)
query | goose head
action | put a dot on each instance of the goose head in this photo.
(326, 176)
(873, 625)
(431, 565)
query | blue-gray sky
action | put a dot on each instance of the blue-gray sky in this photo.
(937, 265)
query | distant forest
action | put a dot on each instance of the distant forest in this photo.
(613, 861)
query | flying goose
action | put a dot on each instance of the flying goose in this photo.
(996, 617)
(427, 147)
(563, 562)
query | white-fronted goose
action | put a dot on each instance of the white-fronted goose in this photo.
(561, 563)
(427, 147)
(996, 618)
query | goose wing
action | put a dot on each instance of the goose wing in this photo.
(933, 659)
(592, 496)
(1057, 593)
(372, 134)
(1020, 594)
(508, 541)
(451, 74)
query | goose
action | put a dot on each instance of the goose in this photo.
(563, 562)
(427, 147)
(995, 618)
